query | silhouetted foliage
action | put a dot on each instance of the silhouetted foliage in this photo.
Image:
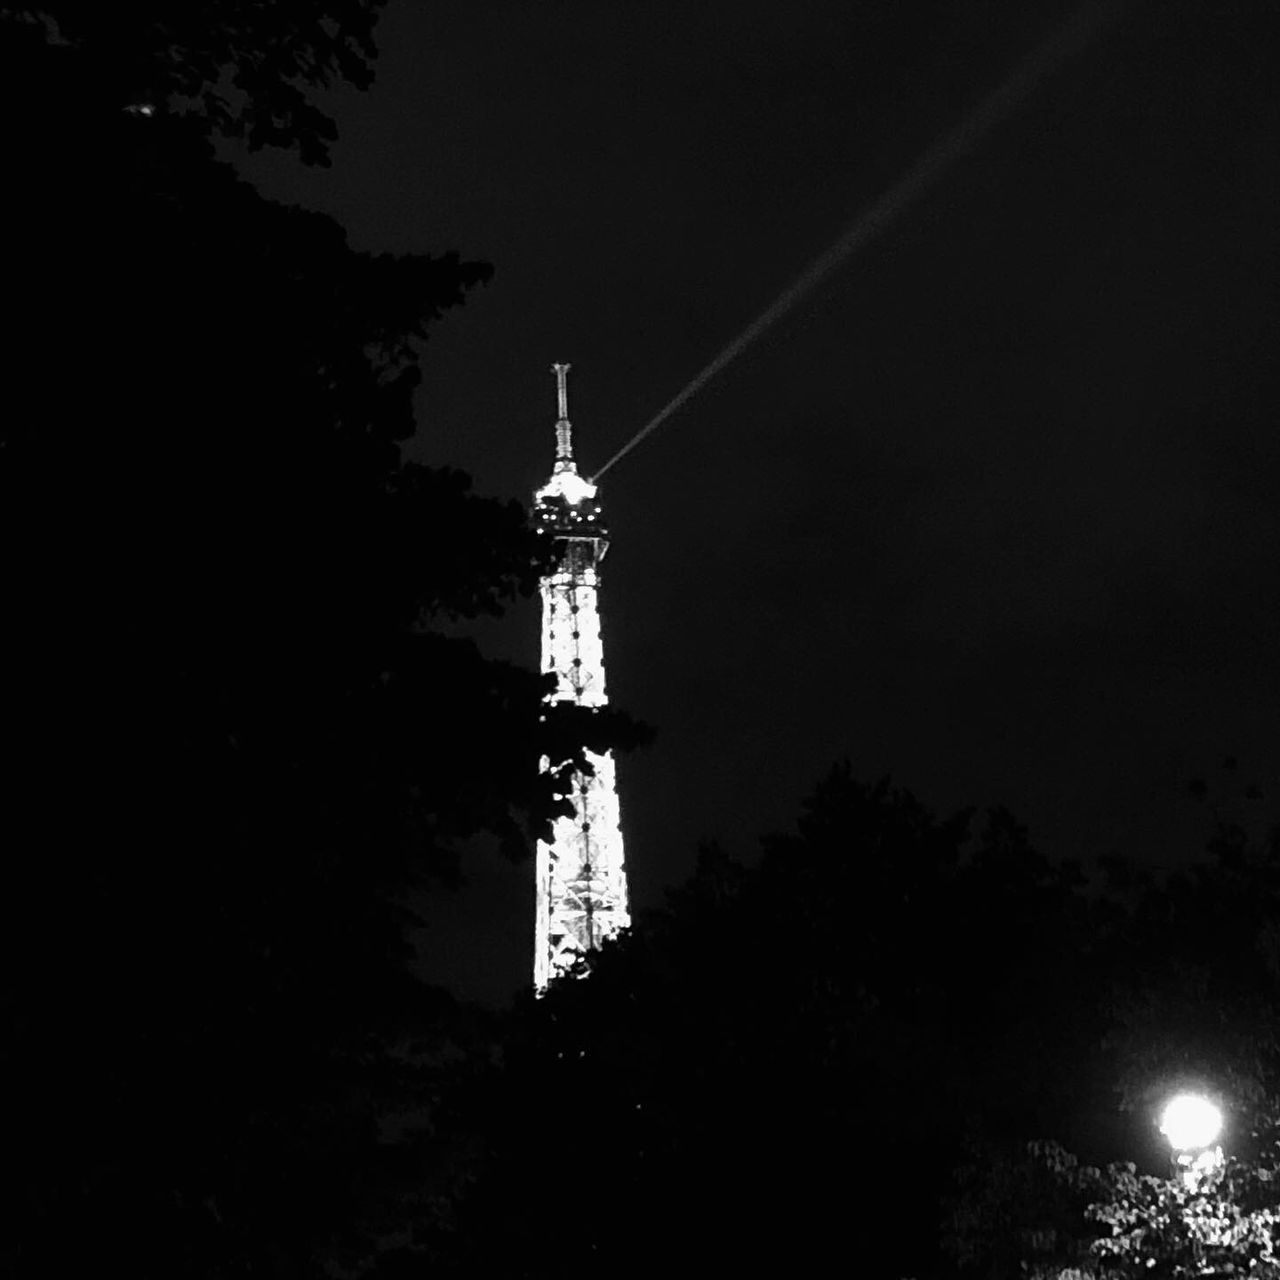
(845, 1050)
(241, 68)
(1047, 1215)
(1226, 1224)
(785, 1064)
(235, 743)
(1192, 1001)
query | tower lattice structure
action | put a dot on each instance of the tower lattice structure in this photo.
(582, 880)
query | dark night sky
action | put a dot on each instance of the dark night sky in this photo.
(994, 511)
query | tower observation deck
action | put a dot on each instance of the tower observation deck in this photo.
(581, 876)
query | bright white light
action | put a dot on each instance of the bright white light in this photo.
(569, 485)
(581, 872)
(1191, 1122)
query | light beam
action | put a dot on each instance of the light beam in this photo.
(1068, 39)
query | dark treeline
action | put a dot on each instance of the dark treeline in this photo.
(235, 746)
(844, 1052)
(233, 743)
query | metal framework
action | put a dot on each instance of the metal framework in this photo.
(582, 881)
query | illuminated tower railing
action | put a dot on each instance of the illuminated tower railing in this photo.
(582, 882)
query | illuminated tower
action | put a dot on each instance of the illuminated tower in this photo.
(582, 882)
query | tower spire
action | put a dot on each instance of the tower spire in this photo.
(581, 872)
(564, 432)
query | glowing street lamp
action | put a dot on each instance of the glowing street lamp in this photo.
(1192, 1123)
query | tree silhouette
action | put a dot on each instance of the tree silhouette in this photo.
(241, 69)
(236, 743)
(1192, 999)
(856, 1049)
(785, 1065)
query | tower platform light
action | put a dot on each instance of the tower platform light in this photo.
(581, 875)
